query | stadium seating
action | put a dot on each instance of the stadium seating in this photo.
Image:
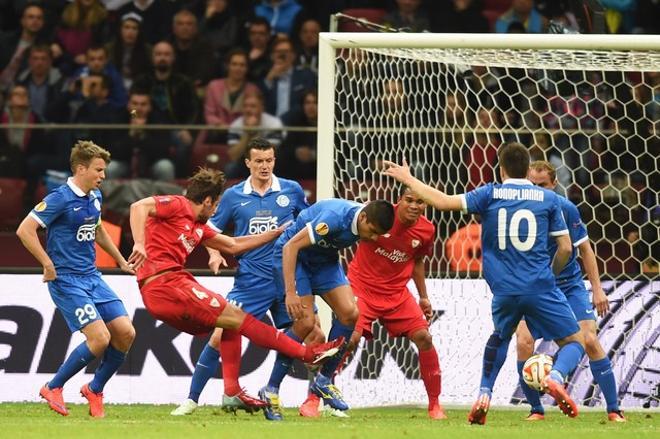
(11, 201)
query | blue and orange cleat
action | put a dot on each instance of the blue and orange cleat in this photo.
(54, 399)
(436, 411)
(616, 416)
(273, 411)
(479, 409)
(323, 388)
(535, 416)
(560, 395)
(95, 401)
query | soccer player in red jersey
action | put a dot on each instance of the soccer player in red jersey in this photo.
(379, 273)
(166, 229)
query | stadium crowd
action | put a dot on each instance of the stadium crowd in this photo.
(200, 64)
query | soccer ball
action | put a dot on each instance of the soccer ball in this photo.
(535, 369)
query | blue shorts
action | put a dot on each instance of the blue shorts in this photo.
(578, 299)
(311, 279)
(256, 296)
(548, 315)
(85, 299)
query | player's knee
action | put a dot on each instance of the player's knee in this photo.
(423, 340)
(98, 340)
(215, 339)
(350, 317)
(305, 327)
(524, 344)
(315, 336)
(124, 339)
(592, 345)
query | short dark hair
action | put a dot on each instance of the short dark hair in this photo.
(237, 51)
(380, 213)
(259, 21)
(260, 143)
(514, 158)
(106, 81)
(205, 183)
(43, 48)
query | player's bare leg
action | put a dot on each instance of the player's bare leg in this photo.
(342, 301)
(525, 349)
(206, 367)
(429, 366)
(601, 369)
(122, 334)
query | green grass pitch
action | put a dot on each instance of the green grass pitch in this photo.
(145, 421)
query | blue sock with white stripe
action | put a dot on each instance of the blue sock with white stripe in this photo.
(206, 367)
(79, 358)
(532, 395)
(281, 366)
(604, 376)
(494, 357)
(112, 361)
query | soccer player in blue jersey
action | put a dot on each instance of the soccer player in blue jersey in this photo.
(72, 215)
(570, 282)
(518, 219)
(306, 263)
(260, 203)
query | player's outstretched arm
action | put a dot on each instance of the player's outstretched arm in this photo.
(591, 268)
(563, 254)
(27, 233)
(140, 211)
(300, 240)
(104, 240)
(432, 196)
(241, 244)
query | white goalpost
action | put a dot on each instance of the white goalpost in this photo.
(589, 104)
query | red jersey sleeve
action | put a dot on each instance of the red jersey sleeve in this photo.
(207, 233)
(167, 205)
(426, 249)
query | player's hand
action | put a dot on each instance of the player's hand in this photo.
(400, 173)
(283, 227)
(427, 309)
(294, 306)
(215, 261)
(49, 273)
(137, 257)
(601, 303)
(126, 267)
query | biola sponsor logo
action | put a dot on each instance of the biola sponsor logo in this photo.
(262, 224)
(86, 232)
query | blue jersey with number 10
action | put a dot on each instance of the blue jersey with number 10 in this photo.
(517, 221)
(252, 214)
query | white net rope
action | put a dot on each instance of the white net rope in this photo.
(593, 114)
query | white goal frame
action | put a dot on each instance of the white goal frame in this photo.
(330, 41)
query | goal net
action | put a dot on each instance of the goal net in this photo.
(587, 104)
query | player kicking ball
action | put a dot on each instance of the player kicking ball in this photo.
(570, 282)
(166, 229)
(72, 215)
(518, 219)
(379, 274)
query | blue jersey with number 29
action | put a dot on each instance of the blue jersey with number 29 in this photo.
(517, 221)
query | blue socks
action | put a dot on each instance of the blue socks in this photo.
(112, 360)
(79, 358)
(533, 397)
(494, 357)
(206, 367)
(281, 366)
(337, 330)
(604, 376)
(567, 358)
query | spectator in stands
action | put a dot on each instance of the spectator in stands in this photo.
(225, 97)
(97, 63)
(522, 11)
(83, 24)
(97, 109)
(307, 45)
(298, 152)
(151, 148)
(253, 117)
(221, 27)
(174, 95)
(193, 53)
(43, 82)
(483, 153)
(458, 16)
(281, 14)
(257, 49)
(156, 17)
(409, 15)
(285, 84)
(620, 15)
(128, 51)
(14, 45)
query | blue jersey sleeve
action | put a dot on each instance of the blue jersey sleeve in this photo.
(49, 209)
(576, 228)
(300, 200)
(222, 215)
(322, 225)
(556, 219)
(476, 201)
